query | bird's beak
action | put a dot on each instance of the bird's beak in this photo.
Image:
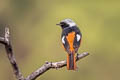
(58, 24)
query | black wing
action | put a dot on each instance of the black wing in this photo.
(76, 42)
(63, 38)
(78, 37)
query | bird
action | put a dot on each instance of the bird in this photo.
(71, 39)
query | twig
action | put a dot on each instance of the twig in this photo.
(48, 65)
(5, 40)
(52, 65)
(2, 40)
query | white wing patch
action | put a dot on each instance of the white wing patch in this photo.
(78, 37)
(63, 41)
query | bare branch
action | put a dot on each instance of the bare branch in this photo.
(48, 65)
(52, 65)
(10, 55)
(2, 40)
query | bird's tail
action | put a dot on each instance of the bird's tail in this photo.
(71, 61)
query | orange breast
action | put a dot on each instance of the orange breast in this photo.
(70, 39)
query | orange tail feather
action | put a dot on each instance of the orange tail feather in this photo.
(71, 61)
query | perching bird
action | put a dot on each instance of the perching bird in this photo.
(71, 39)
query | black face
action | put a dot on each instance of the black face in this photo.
(64, 25)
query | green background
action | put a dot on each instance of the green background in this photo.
(36, 38)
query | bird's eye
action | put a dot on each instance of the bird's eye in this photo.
(64, 24)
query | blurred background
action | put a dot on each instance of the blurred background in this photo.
(36, 38)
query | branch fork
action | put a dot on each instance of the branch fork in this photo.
(48, 65)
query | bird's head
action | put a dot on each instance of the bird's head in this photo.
(66, 23)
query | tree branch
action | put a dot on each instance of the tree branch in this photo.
(2, 40)
(5, 40)
(53, 65)
(48, 65)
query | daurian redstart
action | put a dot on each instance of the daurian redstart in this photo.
(71, 39)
